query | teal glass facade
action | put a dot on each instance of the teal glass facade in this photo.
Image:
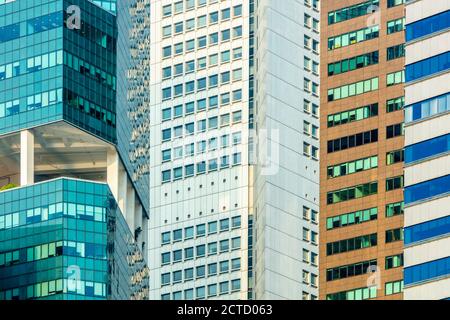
(133, 92)
(64, 238)
(67, 239)
(49, 73)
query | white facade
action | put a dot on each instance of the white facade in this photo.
(286, 242)
(202, 120)
(425, 244)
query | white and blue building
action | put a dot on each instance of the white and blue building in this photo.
(427, 157)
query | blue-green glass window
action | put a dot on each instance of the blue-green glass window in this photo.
(177, 255)
(201, 84)
(189, 107)
(224, 224)
(351, 12)
(200, 292)
(166, 175)
(166, 93)
(213, 81)
(226, 35)
(188, 274)
(201, 104)
(394, 3)
(212, 269)
(201, 42)
(188, 253)
(165, 258)
(224, 287)
(224, 245)
(165, 237)
(396, 25)
(167, 51)
(226, 14)
(201, 230)
(212, 248)
(166, 134)
(212, 227)
(200, 250)
(165, 279)
(178, 69)
(235, 285)
(236, 222)
(213, 102)
(224, 266)
(166, 114)
(212, 290)
(177, 235)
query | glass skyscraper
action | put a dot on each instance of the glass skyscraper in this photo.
(72, 225)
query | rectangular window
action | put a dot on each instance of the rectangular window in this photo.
(352, 115)
(351, 167)
(395, 78)
(394, 209)
(395, 130)
(394, 261)
(351, 193)
(394, 235)
(395, 156)
(356, 140)
(352, 244)
(393, 287)
(394, 3)
(353, 89)
(395, 104)
(351, 12)
(353, 37)
(353, 63)
(350, 270)
(396, 25)
(348, 219)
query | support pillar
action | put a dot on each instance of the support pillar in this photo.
(112, 172)
(129, 214)
(26, 157)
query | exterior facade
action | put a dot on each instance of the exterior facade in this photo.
(69, 215)
(223, 225)
(427, 134)
(362, 60)
(285, 175)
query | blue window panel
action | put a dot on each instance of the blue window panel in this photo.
(10, 32)
(427, 271)
(428, 66)
(39, 24)
(427, 108)
(427, 189)
(427, 148)
(427, 230)
(428, 25)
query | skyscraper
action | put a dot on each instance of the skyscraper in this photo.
(362, 63)
(427, 135)
(70, 220)
(233, 150)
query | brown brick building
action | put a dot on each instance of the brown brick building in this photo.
(361, 187)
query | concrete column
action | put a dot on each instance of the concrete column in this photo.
(130, 202)
(123, 187)
(138, 216)
(112, 172)
(26, 158)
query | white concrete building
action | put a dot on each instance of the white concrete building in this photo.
(427, 139)
(234, 149)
